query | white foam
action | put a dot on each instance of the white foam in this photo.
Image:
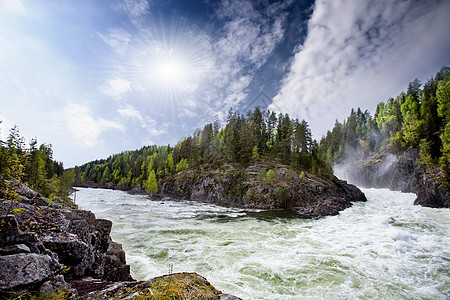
(385, 248)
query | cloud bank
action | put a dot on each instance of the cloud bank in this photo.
(358, 53)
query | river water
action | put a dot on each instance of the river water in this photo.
(386, 248)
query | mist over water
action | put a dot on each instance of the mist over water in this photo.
(385, 248)
(380, 176)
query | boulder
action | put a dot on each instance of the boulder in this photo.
(25, 269)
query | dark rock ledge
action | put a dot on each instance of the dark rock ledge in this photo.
(66, 253)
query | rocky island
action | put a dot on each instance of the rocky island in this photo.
(264, 187)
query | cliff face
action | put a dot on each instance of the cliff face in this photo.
(261, 187)
(398, 173)
(43, 247)
(384, 170)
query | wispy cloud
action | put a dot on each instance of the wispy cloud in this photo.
(12, 6)
(118, 39)
(130, 113)
(134, 8)
(84, 127)
(352, 52)
(248, 39)
(116, 87)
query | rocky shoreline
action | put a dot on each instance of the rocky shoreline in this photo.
(46, 249)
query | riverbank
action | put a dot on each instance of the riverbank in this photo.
(47, 250)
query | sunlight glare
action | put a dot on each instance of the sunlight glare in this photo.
(173, 72)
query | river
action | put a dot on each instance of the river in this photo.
(386, 248)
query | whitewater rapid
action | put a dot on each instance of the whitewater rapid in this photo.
(386, 248)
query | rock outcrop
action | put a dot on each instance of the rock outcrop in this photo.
(42, 248)
(284, 189)
(173, 286)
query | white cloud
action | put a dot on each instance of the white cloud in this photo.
(358, 53)
(134, 8)
(131, 113)
(84, 126)
(116, 87)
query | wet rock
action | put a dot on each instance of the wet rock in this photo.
(115, 267)
(24, 269)
(116, 250)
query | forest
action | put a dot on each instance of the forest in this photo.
(418, 118)
(245, 139)
(33, 165)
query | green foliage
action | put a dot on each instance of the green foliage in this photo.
(271, 176)
(302, 176)
(151, 186)
(33, 165)
(16, 211)
(255, 154)
(182, 165)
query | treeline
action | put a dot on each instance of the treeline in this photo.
(245, 139)
(418, 118)
(33, 165)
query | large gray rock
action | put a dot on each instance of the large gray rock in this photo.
(24, 269)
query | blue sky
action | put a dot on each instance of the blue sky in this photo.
(95, 78)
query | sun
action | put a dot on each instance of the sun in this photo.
(171, 72)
